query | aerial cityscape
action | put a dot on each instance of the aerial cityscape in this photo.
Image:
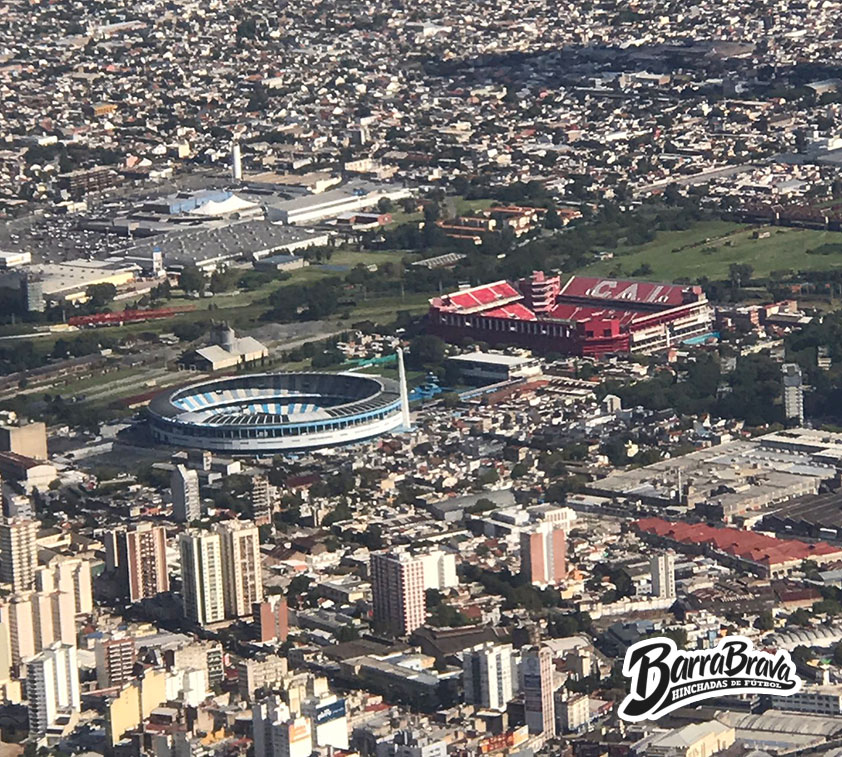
(390, 379)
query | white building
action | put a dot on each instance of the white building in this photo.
(201, 576)
(487, 675)
(439, 570)
(662, 572)
(277, 733)
(52, 686)
(328, 720)
(186, 500)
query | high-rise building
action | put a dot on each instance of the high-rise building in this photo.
(139, 556)
(662, 572)
(277, 733)
(71, 575)
(241, 569)
(52, 686)
(264, 500)
(397, 584)
(272, 618)
(793, 391)
(201, 576)
(115, 659)
(538, 690)
(186, 501)
(16, 615)
(18, 553)
(29, 440)
(543, 554)
(487, 675)
(439, 569)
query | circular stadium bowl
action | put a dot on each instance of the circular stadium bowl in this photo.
(276, 412)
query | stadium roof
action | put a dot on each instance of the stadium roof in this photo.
(632, 292)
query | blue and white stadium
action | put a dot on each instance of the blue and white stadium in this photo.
(280, 412)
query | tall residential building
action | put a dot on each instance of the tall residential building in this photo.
(186, 500)
(72, 576)
(662, 572)
(18, 553)
(241, 569)
(397, 583)
(264, 500)
(487, 675)
(272, 618)
(29, 440)
(115, 659)
(538, 691)
(439, 569)
(52, 686)
(139, 555)
(201, 576)
(543, 554)
(793, 391)
(277, 733)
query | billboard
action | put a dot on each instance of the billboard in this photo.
(332, 711)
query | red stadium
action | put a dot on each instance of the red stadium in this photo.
(585, 316)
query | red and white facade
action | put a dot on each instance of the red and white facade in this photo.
(584, 316)
(397, 586)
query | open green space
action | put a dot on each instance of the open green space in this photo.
(709, 248)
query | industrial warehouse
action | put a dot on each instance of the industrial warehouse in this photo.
(586, 316)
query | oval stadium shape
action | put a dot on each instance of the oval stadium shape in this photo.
(276, 412)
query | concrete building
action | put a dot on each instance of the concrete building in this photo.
(262, 672)
(135, 702)
(186, 500)
(695, 740)
(439, 570)
(226, 350)
(115, 659)
(139, 557)
(572, 711)
(398, 591)
(487, 675)
(662, 572)
(824, 699)
(18, 553)
(277, 733)
(481, 368)
(793, 392)
(328, 720)
(543, 554)
(538, 690)
(72, 575)
(52, 685)
(409, 743)
(264, 500)
(272, 618)
(241, 568)
(29, 440)
(201, 576)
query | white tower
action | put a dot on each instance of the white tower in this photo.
(407, 421)
(236, 162)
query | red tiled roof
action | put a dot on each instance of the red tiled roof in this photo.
(747, 545)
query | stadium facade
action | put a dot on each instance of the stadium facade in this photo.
(585, 316)
(267, 413)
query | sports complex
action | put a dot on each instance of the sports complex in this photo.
(278, 412)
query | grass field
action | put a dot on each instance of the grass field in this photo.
(709, 248)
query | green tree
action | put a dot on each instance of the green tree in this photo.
(764, 622)
(192, 279)
(100, 295)
(426, 350)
